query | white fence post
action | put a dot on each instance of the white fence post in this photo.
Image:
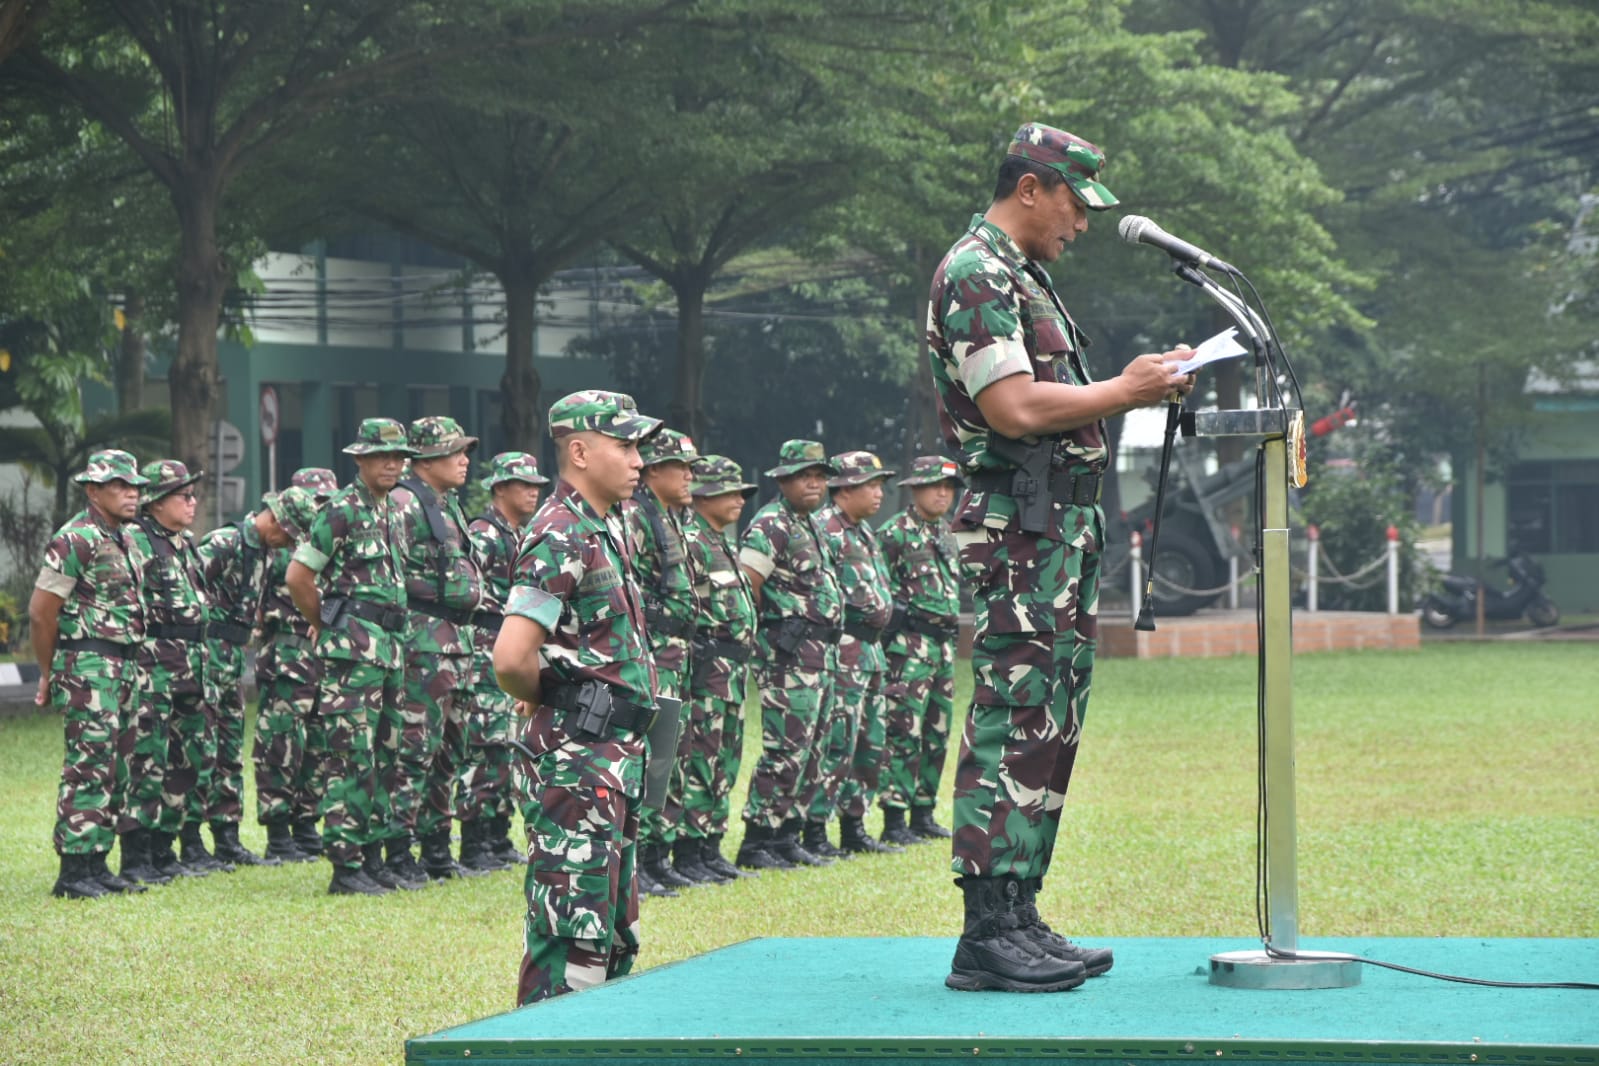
(1393, 570)
(1312, 565)
(1135, 566)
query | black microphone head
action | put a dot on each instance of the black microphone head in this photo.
(1132, 228)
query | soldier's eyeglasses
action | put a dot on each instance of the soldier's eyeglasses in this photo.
(187, 496)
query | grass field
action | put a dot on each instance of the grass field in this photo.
(1450, 792)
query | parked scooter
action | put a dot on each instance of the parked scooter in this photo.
(1456, 598)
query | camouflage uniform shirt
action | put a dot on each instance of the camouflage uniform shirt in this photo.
(655, 538)
(800, 580)
(494, 545)
(863, 582)
(174, 595)
(437, 573)
(726, 598)
(97, 568)
(922, 568)
(235, 564)
(357, 544)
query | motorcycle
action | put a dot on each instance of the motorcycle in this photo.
(1456, 599)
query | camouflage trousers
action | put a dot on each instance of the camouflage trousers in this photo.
(486, 782)
(1037, 605)
(837, 734)
(865, 771)
(223, 800)
(715, 751)
(352, 699)
(289, 747)
(660, 826)
(93, 694)
(422, 740)
(582, 898)
(920, 698)
(173, 747)
(794, 704)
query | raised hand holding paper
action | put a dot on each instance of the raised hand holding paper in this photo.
(1223, 345)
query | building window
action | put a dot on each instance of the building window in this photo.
(1553, 507)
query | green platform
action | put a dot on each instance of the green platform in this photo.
(833, 999)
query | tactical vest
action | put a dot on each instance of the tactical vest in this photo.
(248, 555)
(671, 550)
(439, 527)
(163, 550)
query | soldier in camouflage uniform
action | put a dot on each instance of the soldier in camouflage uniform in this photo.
(357, 545)
(488, 777)
(724, 639)
(1021, 411)
(851, 746)
(655, 537)
(175, 747)
(919, 689)
(236, 563)
(289, 749)
(801, 611)
(573, 648)
(425, 736)
(86, 616)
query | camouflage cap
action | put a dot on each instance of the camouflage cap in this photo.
(597, 411)
(166, 476)
(514, 466)
(295, 509)
(318, 479)
(435, 436)
(797, 455)
(717, 474)
(856, 468)
(667, 445)
(379, 435)
(1077, 161)
(112, 464)
(930, 470)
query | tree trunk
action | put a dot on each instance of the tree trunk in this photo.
(130, 355)
(193, 380)
(519, 385)
(687, 411)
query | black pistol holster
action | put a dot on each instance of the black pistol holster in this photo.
(1029, 485)
(333, 609)
(591, 717)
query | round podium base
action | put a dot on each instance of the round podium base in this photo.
(1307, 969)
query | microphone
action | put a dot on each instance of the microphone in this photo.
(1136, 229)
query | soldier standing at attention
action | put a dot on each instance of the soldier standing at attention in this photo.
(424, 737)
(175, 745)
(655, 538)
(235, 566)
(86, 616)
(357, 544)
(920, 687)
(852, 742)
(1020, 409)
(724, 638)
(488, 779)
(573, 649)
(801, 612)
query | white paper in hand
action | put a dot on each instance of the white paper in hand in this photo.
(1223, 345)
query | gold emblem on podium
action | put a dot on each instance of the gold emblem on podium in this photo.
(1297, 472)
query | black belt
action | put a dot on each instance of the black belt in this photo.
(625, 715)
(722, 648)
(163, 631)
(932, 627)
(809, 631)
(863, 632)
(228, 632)
(488, 620)
(662, 624)
(461, 616)
(110, 649)
(390, 618)
(1081, 490)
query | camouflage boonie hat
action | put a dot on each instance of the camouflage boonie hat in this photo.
(667, 445)
(295, 509)
(379, 435)
(435, 436)
(514, 466)
(318, 479)
(1074, 158)
(856, 468)
(930, 470)
(597, 411)
(166, 476)
(110, 465)
(716, 474)
(797, 455)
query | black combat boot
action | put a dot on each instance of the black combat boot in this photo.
(1095, 960)
(922, 824)
(192, 853)
(399, 862)
(500, 841)
(853, 837)
(228, 848)
(814, 840)
(786, 845)
(353, 881)
(477, 851)
(688, 862)
(281, 846)
(438, 862)
(110, 881)
(165, 861)
(756, 852)
(77, 880)
(306, 838)
(995, 953)
(647, 885)
(373, 867)
(711, 856)
(657, 860)
(136, 864)
(895, 831)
